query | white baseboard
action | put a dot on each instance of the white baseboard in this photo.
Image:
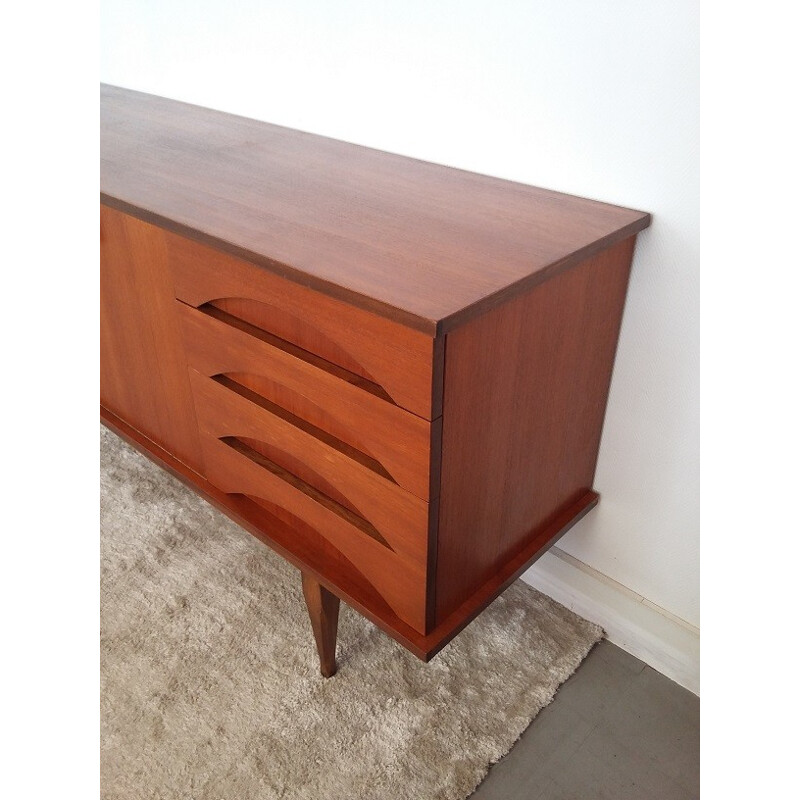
(668, 644)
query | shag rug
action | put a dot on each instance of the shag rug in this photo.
(210, 682)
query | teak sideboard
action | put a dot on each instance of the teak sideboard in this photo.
(391, 372)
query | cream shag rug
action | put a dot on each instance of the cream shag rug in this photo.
(210, 682)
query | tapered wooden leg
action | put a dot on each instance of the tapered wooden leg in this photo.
(323, 608)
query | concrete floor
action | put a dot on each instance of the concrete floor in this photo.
(617, 730)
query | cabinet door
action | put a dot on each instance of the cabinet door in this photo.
(143, 375)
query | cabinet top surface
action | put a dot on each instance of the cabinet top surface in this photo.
(424, 244)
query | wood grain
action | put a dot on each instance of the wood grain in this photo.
(424, 244)
(398, 579)
(525, 394)
(332, 570)
(400, 370)
(398, 440)
(142, 366)
(400, 517)
(397, 359)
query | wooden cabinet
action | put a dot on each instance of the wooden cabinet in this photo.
(393, 373)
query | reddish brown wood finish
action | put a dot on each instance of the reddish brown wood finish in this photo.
(400, 517)
(398, 579)
(142, 367)
(297, 292)
(323, 610)
(524, 399)
(335, 573)
(397, 440)
(416, 242)
(396, 359)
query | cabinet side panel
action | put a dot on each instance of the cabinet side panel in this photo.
(525, 391)
(143, 375)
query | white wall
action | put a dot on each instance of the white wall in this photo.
(594, 99)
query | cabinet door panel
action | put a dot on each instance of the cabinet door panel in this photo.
(143, 376)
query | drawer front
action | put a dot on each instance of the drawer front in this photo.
(387, 440)
(379, 507)
(400, 580)
(398, 362)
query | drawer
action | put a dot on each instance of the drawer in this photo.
(397, 576)
(387, 440)
(396, 361)
(379, 507)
